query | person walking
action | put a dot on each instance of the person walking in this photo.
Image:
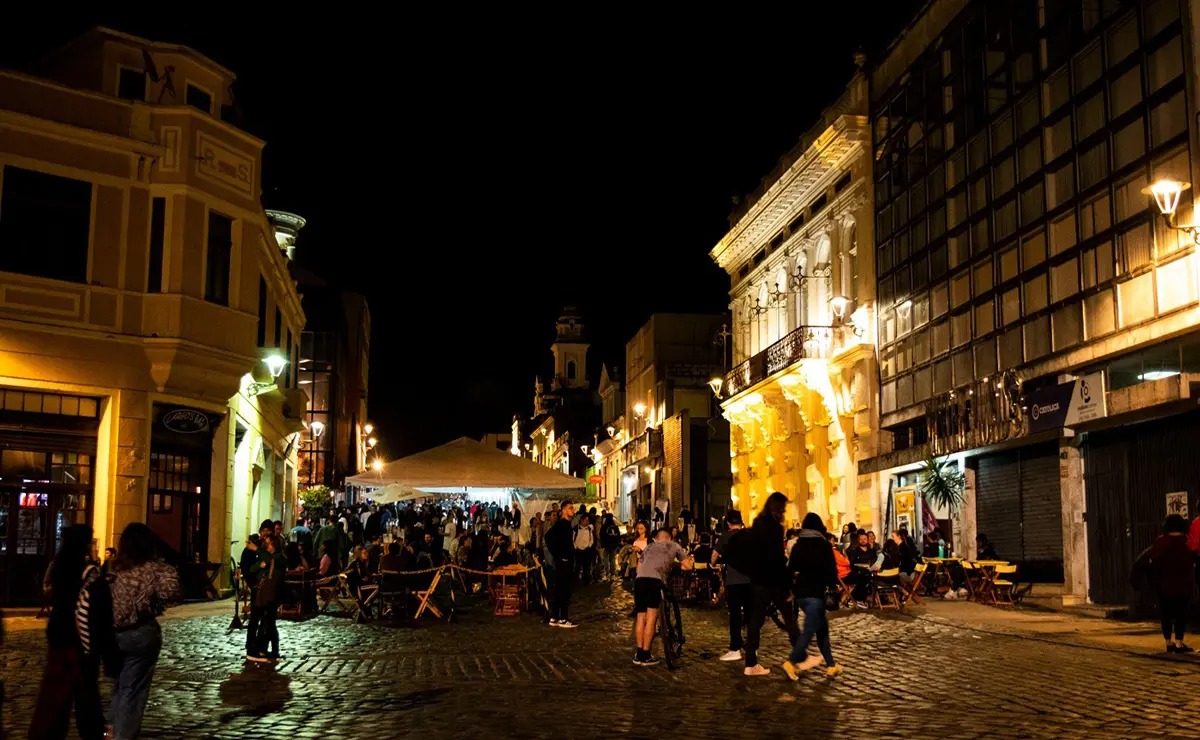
(71, 675)
(737, 589)
(560, 541)
(610, 542)
(813, 572)
(759, 553)
(1170, 566)
(141, 587)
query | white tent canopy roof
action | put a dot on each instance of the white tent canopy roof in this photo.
(465, 465)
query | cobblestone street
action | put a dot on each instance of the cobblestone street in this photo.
(907, 675)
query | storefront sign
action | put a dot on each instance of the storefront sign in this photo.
(596, 478)
(223, 166)
(1177, 503)
(186, 421)
(1073, 402)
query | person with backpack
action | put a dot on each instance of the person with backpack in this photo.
(142, 585)
(72, 673)
(610, 542)
(814, 572)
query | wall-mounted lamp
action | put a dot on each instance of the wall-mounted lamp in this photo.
(316, 429)
(612, 430)
(1167, 194)
(368, 428)
(275, 365)
(371, 442)
(716, 384)
(839, 303)
(639, 409)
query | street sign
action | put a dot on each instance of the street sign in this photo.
(597, 478)
(1073, 402)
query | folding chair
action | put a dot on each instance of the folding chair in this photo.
(845, 593)
(971, 579)
(910, 588)
(426, 596)
(391, 594)
(364, 602)
(885, 591)
(332, 592)
(1003, 588)
(293, 604)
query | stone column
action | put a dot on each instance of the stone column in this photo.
(1074, 526)
(128, 501)
(965, 525)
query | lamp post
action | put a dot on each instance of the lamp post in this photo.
(275, 364)
(1167, 194)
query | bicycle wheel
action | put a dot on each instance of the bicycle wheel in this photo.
(670, 628)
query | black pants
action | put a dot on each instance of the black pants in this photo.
(860, 583)
(254, 629)
(583, 562)
(564, 582)
(737, 598)
(1173, 614)
(761, 599)
(70, 677)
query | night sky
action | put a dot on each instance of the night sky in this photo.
(473, 173)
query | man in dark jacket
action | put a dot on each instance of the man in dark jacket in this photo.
(737, 589)
(610, 542)
(860, 578)
(813, 571)
(769, 582)
(560, 540)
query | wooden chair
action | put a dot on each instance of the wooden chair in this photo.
(910, 588)
(885, 591)
(426, 597)
(1004, 585)
(972, 579)
(845, 593)
(333, 596)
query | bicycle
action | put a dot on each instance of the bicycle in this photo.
(670, 628)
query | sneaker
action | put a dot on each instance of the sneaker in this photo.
(731, 656)
(862, 605)
(553, 623)
(257, 657)
(833, 670)
(1181, 648)
(567, 624)
(756, 670)
(637, 659)
(792, 671)
(650, 660)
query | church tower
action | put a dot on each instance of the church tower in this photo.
(570, 351)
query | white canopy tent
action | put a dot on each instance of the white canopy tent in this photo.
(480, 471)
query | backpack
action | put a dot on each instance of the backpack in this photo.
(741, 552)
(94, 614)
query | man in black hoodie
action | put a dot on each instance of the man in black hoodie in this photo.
(769, 580)
(560, 540)
(813, 571)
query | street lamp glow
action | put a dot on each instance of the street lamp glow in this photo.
(1166, 194)
(716, 384)
(639, 409)
(377, 465)
(275, 364)
(368, 428)
(838, 303)
(371, 442)
(317, 428)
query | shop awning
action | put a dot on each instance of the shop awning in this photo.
(467, 466)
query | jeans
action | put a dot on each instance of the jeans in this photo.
(761, 599)
(139, 648)
(564, 580)
(268, 631)
(737, 598)
(69, 677)
(254, 630)
(1172, 611)
(583, 560)
(609, 561)
(815, 623)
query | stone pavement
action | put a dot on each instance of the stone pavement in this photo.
(925, 673)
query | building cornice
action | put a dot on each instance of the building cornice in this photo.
(76, 134)
(793, 190)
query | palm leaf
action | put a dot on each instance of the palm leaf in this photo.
(942, 483)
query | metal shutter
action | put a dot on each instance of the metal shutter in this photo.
(998, 503)
(1041, 505)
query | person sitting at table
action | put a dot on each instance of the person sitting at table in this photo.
(295, 563)
(392, 561)
(505, 554)
(359, 571)
(873, 541)
(934, 545)
(839, 557)
(909, 557)
(985, 549)
(704, 552)
(329, 560)
(860, 577)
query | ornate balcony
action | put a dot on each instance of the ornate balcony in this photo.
(802, 343)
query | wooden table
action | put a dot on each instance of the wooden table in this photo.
(508, 599)
(939, 568)
(987, 575)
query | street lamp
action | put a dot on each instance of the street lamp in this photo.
(368, 428)
(1166, 196)
(371, 442)
(316, 429)
(377, 465)
(639, 409)
(275, 364)
(716, 384)
(839, 303)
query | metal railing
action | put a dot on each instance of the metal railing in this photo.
(801, 343)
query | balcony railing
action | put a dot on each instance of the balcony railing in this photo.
(802, 343)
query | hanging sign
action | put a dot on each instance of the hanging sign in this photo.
(186, 421)
(595, 478)
(1177, 503)
(1073, 402)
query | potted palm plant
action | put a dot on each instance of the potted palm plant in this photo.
(942, 483)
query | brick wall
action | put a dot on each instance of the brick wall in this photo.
(675, 459)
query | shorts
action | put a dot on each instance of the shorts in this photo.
(647, 594)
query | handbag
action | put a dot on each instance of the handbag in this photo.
(266, 588)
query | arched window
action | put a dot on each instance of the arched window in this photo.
(571, 370)
(819, 290)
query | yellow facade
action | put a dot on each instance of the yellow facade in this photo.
(153, 322)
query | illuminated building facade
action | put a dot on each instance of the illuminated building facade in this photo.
(1037, 315)
(566, 415)
(800, 398)
(148, 325)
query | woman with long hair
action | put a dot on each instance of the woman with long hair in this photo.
(769, 579)
(72, 674)
(141, 587)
